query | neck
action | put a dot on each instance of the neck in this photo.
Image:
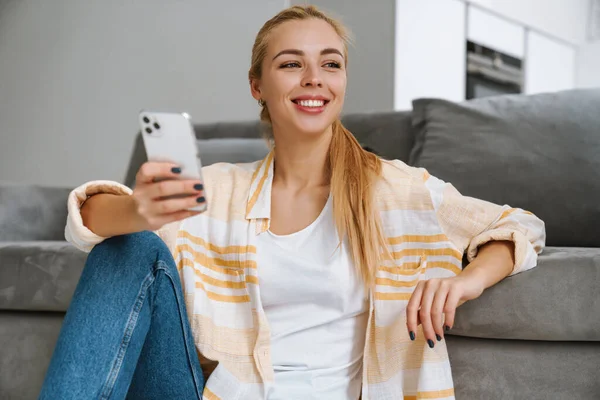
(301, 162)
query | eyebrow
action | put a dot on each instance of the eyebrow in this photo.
(329, 50)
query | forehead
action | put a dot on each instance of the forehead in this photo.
(311, 35)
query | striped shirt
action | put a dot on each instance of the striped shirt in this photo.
(428, 226)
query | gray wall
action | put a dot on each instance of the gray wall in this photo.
(371, 58)
(74, 74)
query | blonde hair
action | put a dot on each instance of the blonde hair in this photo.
(354, 171)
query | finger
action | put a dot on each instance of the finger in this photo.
(170, 206)
(452, 303)
(437, 310)
(425, 311)
(149, 171)
(158, 190)
(412, 310)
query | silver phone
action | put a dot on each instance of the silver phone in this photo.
(169, 137)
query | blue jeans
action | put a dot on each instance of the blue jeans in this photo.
(126, 333)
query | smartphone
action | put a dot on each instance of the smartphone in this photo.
(169, 137)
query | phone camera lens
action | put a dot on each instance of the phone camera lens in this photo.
(148, 130)
(156, 126)
(146, 119)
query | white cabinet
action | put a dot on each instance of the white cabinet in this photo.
(496, 33)
(549, 65)
(429, 51)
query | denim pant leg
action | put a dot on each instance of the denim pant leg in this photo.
(126, 332)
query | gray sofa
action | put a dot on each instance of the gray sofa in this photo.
(533, 336)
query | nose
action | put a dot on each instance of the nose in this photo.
(312, 78)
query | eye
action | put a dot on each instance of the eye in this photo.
(292, 64)
(333, 64)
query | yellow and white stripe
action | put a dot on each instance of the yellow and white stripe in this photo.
(428, 224)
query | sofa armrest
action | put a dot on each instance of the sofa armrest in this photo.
(31, 212)
(39, 276)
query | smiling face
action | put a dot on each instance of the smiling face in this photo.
(303, 79)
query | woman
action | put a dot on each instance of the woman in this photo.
(319, 272)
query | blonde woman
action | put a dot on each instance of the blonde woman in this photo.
(320, 272)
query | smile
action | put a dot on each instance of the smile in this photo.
(311, 106)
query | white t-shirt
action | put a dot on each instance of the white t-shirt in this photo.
(317, 311)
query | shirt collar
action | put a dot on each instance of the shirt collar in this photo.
(259, 195)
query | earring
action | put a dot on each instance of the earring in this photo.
(261, 102)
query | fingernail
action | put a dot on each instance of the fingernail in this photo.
(447, 328)
(176, 170)
(412, 335)
(201, 199)
(198, 186)
(438, 337)
(430, 343)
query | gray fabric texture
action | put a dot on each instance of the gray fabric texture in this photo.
(557, 300)
(233, 150)
(540, 153)
(27, 340)
(388, 133)
(30, 212)
(39, 276)
(518, 370)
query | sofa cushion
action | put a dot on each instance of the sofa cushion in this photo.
(520, 369)
(540, 153)
(39, 276)
(388, 133)
(231, 150)
(29, 212)
(558, 300)
(228, 130)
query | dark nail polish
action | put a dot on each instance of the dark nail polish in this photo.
(176, 170)
(430, 343)
(201, 199)
(198, 186)
(412, 335)
(438, 337)
(447, 328)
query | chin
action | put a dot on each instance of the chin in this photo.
(313, 124)
(313, 128)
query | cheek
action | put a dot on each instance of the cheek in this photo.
(338, 86)
(280, 85)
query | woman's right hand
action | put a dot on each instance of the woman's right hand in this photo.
(154, 182)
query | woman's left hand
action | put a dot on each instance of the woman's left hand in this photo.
(434, 303)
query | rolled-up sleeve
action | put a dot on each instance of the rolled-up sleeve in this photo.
(470, 223)
(76, 232)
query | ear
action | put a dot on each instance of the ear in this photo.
(255, 89)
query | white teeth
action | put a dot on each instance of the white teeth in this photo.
(311, 103)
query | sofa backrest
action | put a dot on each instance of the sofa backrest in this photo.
(540, 153)
(389, 134)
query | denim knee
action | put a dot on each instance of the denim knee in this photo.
(132, 251)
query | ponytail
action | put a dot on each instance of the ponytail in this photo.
(354, 174)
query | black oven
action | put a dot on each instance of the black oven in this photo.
(491, 73)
